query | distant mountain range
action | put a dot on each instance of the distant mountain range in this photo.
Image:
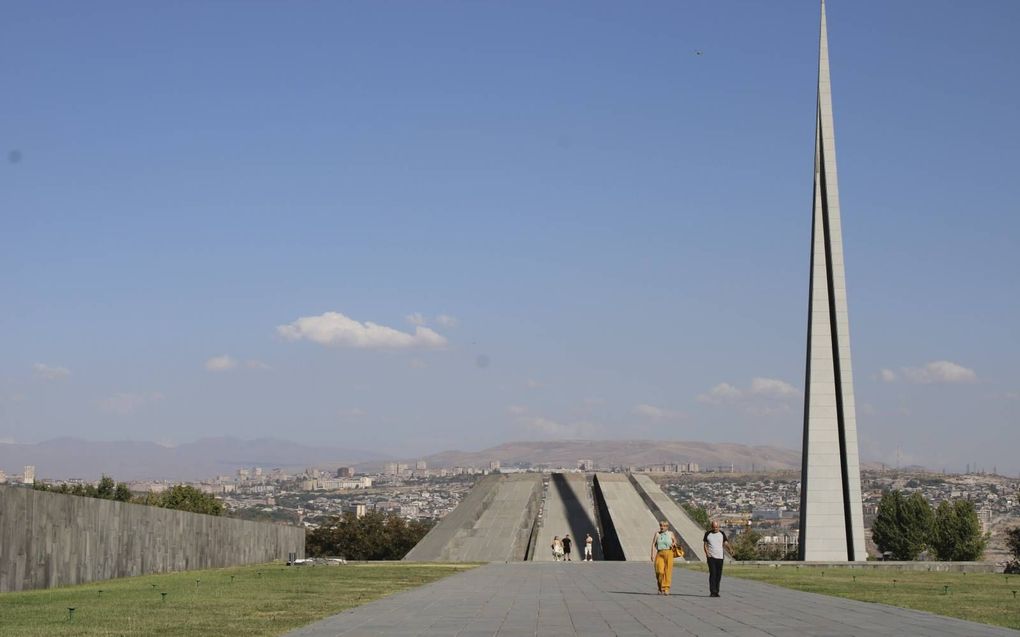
(64, 458)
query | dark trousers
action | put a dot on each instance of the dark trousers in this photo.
(714, 574)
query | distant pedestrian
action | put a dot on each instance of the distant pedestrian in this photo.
(587, 548)
(663, 543)
(557, 548)
(715, 542)
(566, 547)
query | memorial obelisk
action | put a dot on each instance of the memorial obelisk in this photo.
(831, 516)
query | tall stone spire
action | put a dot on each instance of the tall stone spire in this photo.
(831, 516)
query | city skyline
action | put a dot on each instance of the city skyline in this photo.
(332, 225)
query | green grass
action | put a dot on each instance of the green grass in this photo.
(980, 597)
(249, 603)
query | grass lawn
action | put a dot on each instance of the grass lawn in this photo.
(981, 597)
(250, 600)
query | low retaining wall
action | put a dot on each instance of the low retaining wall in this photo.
(52, 539)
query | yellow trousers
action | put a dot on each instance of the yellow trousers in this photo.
(664, 569)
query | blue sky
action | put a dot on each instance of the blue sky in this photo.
(566, 222)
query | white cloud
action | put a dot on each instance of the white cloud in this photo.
(546, 428)
(772, 387)
(887, 376)
(531, 383)
(415, 318)
(656, 413)
(721, 393)
(939, 372)
(222, 363)
(354, 412)
(516, 410)
(7, 441)
(255, 364)
(335, 329)
(417, 363)
(50, 372)
(447, 321)
(764, 397)
(124, 403)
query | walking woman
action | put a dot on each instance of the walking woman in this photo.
(662, 557)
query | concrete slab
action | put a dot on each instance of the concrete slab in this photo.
(634, 523)
(618, 598)
(567, 509)
(691, 535)
(493, 523)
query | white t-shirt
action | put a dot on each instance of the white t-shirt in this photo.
(715, 540)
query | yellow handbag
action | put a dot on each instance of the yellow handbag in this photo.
(678, 551)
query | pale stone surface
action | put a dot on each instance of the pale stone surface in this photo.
(568, 509)
(492, 524)
(618, 598)
(824, 503)
(634, 523)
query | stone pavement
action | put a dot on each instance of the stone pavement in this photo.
(618, 598)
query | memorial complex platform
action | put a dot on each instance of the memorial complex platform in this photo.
(600, 599)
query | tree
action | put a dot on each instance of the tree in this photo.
(1013, 544)
(745, 547)
(698, 514)
(182, 497)
(903, 525)
(1013, 541)
(956, 533)
(106, 489)
(374, 536)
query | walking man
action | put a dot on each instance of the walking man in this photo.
(587, 548)
(566, 547)
(715, 542)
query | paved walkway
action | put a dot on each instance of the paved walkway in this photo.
(618, 598)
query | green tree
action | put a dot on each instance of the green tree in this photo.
(182, 497)
(745, 546)
(956, 533)
(698, 514)
(1013, 541)
(374, 536)
(107, 489)
(122, 493)
(903, 525)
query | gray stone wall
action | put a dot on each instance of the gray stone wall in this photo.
(51, 539)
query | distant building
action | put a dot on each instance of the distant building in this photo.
(258, 472)
(28, 477)
(494, 465)
(243, 474)
(421, 465)
(358, 510)
(3, 477)
(586, 464)
(345, 472)
(391, 469)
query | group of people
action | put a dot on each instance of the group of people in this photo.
(665, 549)
(561, 548)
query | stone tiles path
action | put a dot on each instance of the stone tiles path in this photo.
(618, 598)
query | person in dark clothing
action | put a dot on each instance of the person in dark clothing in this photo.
(715, 542)
(566, 547)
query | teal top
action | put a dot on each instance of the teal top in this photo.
(663, 541)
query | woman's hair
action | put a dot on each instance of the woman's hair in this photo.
(663, 522)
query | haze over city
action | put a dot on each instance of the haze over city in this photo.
(451, 226)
